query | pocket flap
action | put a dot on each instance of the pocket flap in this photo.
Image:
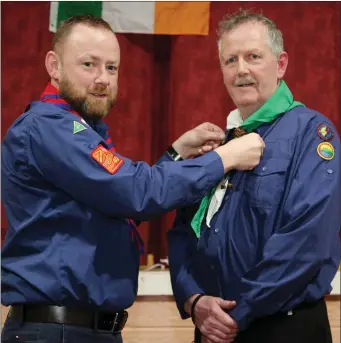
(271, 166)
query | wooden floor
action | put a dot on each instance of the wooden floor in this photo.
(152, 320)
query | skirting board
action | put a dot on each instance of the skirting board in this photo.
(158, 283)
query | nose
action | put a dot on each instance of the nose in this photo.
(102, 77)
(242, 67)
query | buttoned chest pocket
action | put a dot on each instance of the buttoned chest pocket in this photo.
(264, 186)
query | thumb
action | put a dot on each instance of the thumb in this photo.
(226, 304)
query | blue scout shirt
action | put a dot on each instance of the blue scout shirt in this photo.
(67, 198)
(275, 241)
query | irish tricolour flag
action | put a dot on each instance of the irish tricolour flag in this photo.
(153, 17)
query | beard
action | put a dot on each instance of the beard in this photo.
(87, 106)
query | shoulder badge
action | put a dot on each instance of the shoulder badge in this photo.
(78, 127)
(325, 132)
(106, 159)
(326, 151)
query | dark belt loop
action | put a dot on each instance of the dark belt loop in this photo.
(96, 315)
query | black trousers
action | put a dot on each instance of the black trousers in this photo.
(309, 323)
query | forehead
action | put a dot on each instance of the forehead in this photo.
(246, 36)
(85, 40)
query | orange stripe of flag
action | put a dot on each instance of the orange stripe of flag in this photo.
(182, 18)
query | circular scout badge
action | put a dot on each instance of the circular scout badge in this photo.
(326, 151)
(325, 132)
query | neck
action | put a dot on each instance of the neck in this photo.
(246, 111)
(54, 83)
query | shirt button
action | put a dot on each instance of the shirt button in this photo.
(330, 171)
(264, 169)
(212, 267)
(91, 146)
(216, 230)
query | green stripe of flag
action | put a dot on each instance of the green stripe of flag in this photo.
(68, 9)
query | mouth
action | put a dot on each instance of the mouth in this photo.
(246, 85)
(99, 95)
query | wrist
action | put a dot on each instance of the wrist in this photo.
(192, 304)
(188, 303)
(174, 154)
(227, 158)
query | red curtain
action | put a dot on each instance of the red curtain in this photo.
(169, 84)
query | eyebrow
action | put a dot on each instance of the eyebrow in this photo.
(96, 58)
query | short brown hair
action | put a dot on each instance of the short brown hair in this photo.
(65, 27)
(229, 22)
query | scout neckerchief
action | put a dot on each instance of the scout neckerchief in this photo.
(52, 96)
(280, 102)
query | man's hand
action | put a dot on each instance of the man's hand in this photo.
(201, 139)
(211, 319)
(242, 153)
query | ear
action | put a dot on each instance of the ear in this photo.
(282, 64)
(53, 65)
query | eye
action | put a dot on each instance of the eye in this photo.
(112, 68)
(88, 64)
(230, 60)
(254, 56)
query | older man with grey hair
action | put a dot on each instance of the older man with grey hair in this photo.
(253, 261)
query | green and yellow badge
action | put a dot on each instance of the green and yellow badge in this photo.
(326, 151)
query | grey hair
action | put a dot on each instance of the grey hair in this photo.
(230, 22)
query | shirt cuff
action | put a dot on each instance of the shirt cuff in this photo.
(183, 293)
(164, 158)
(242, 315)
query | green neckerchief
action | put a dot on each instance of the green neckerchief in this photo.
(280, 102)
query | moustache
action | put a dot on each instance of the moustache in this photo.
(247, 81)
(99, 91)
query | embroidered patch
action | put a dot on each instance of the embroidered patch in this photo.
(78, 127)
(325, 132)
(326, 151)
(107, 159)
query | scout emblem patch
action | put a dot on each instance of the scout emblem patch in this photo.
(326, 151)
(78, 127)
(325, 132)
(106, 159)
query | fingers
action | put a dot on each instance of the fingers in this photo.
(214, 339)
(228, 324)
(212, 321)
(227, 304)
(219, 321)
(218, 329)
(213, 136)
(210, 127)
(207, 147)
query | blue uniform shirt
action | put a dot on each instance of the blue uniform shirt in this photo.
(68, 240)
(275, 241)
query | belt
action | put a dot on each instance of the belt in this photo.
(99, 321)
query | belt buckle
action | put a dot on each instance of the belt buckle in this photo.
(114, 324)
(114, 327)
(121, 322)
